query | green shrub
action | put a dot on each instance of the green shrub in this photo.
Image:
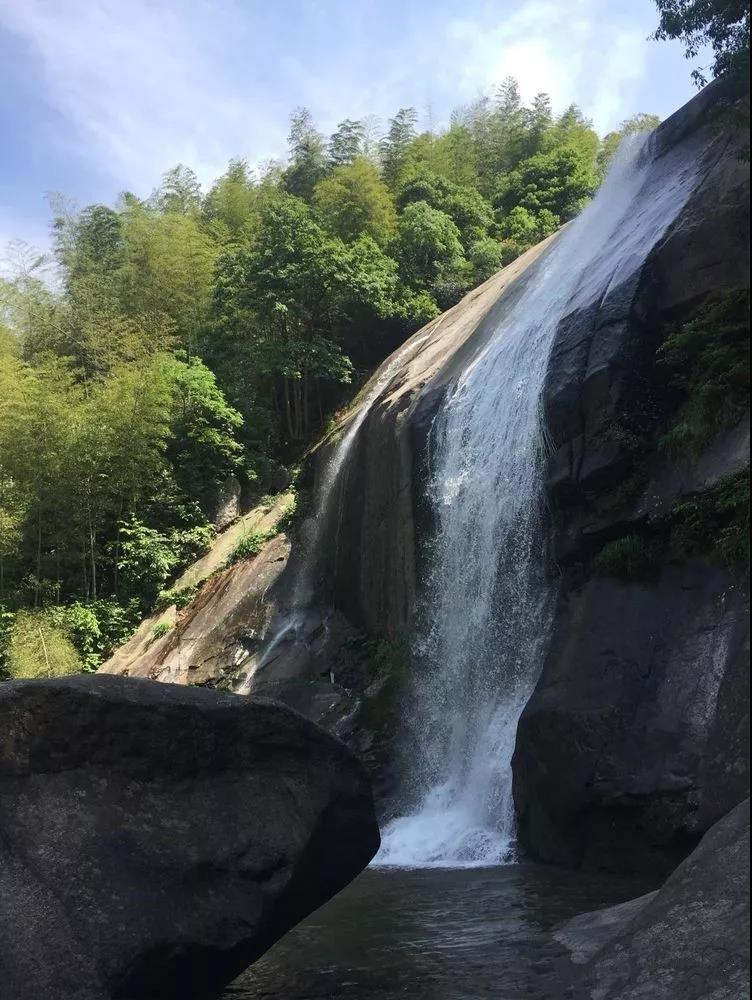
(249, 545)
(160, 630)
(7, 618)
(37, 648)
(707, 361)
(189, 544)
(296, 512)
(630, 558)
(180, 598)
(145, 559)
(715, 522)
(93, 628)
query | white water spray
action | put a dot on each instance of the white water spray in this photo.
(487, 603)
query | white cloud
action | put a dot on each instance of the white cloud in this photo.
(141, 85)
(573, 51)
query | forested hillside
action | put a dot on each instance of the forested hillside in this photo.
(193, 335)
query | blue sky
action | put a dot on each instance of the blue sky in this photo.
(97, 96)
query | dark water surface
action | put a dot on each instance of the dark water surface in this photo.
(434, 934)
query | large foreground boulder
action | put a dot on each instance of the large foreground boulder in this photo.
(688, 941)
(156, 839)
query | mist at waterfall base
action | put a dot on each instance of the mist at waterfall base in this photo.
(487, 603)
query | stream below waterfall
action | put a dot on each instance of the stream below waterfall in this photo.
(434, 934)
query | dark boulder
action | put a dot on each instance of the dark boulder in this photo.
(636, 739)
(156, 839)
(688, 941)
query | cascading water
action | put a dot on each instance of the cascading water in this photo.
(327, 490)
(291, 622)
(487, 602)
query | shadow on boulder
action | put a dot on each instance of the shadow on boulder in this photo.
(155, 840)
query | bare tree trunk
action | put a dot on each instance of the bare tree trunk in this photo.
(288, 411)
(46, 655)
(92, 553)
(39, 557)
(305, 403)
(318, 403)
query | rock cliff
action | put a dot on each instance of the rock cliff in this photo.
(636, 738)
(634, 742)
(687, 941)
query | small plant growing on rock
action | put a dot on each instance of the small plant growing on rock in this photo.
(160, 630)
(630, 558)
(180, 598)
(248, 546)
(715, 522)
(707, 361)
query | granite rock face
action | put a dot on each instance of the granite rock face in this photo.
(688, 941)
(635, 740)
(156, 839)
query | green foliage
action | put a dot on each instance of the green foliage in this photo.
(295, 513)
(466, 207)
(160, 630)
(196, 335)
(629, 558)
(707, 363)
(487, 257)
(715, 522)
(95, 628)
(354, 201)
(36, 648)
(308, 162)
(347, 143)
(145, 559)
(396, 143)
(230, 205)
(722, 25)
(205, 448)
(560, 182)
(429, 248)
(180, 598)
(248, 546)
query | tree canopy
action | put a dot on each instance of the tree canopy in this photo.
(195, 335)
(723, 25)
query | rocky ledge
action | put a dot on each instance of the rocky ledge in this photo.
(688, 941)
(155, 840)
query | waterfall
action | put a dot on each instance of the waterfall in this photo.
(326, 498)
(290, 623)
(487, 602)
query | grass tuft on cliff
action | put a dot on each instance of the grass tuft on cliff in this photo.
(715, 522)
(630, 558)
(707, 361)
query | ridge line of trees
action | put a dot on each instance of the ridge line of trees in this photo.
(199, 335)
